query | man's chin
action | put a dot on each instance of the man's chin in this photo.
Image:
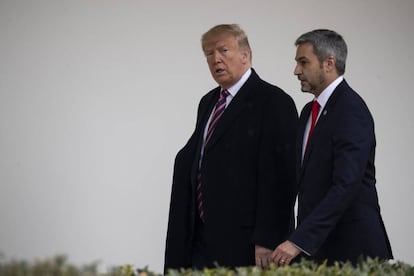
(305, 89)
(221, 80)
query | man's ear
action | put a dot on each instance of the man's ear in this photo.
(245, 56)
(330, 64)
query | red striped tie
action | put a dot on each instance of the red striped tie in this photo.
(218, 112)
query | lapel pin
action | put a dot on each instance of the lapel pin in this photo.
(324, 112)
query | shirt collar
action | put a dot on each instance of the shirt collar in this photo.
(236, 87)
(327, 92)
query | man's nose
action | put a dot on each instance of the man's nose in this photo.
(297, 70)
(216, 57)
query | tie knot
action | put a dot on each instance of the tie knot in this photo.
(315, 108)
(224, 93)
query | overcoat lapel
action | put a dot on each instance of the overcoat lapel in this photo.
(204, 113)
(299, 143)
(233, 110)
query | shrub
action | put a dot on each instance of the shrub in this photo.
(58, 266)
(368, 267)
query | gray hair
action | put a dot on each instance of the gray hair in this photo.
(326, 43)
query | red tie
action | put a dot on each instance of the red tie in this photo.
(218, 112)
(315, 112)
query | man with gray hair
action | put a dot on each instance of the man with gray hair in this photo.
(338, 211)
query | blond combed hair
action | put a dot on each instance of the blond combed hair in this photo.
(227, 29)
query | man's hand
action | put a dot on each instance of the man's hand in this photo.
(284, 253)
(262, 256)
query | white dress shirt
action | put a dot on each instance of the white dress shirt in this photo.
(233, 91)
(322, 100)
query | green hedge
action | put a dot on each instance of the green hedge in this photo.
(58, 266)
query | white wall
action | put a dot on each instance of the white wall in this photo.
(96, 98)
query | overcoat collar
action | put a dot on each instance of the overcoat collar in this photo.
(233, 110)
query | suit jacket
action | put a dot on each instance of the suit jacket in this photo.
(338, 212)
(248, 176)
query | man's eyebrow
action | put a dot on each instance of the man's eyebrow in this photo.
(301, 58)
